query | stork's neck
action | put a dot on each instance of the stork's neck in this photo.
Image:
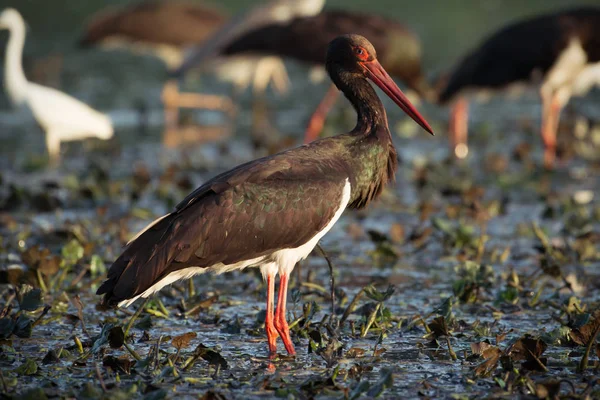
(371, 116)
(15, 82)
(373, 157)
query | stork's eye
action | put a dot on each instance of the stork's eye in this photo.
(361, 53)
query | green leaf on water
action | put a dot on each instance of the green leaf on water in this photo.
(37, 393)
(102, 338)
(500, 382)
(97, 266)
(214, 358)
(473, 278)
(144, 323)
(378, 296)
(445, 309)
(122, 364)
(386, 381)
(23, 327)
(72, 252)
(29, 367)
(50, 358)
(7, 326)
(30, 299)
(510, 295)
(443, 225)
(573, 305)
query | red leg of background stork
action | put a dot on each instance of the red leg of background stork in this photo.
(459, 128)
(280, 322)
(269, 320)
(169, 98)
(550, 117)
(317, 120)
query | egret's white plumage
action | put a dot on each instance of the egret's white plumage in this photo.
(62, 117)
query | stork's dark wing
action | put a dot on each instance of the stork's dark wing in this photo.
(306, 39)
(173, 23)
(318, 31)
(249, 212)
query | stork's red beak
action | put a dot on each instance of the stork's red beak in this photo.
(377, 74)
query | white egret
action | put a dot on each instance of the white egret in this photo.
(61, 116)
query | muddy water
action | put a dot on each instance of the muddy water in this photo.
(423, 274)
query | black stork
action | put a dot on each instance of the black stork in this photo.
(562, 47)
(271, 212)
(306, 39)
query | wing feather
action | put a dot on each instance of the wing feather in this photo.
(246, 213)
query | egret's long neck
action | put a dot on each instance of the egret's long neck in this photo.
(15, 82)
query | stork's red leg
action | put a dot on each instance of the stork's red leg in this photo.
(459, 128)
(317, 120)
(280, 322)
(549, 129)
(170, 96)
(269, 320)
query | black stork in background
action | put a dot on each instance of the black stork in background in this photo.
(271, 212)
(563, 48)
(306, 39)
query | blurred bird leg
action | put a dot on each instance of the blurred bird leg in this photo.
(205, 101)
(169, 98)
(550, 116)
(280, 320)
(53, 146)
(173, 99)
(271, 69)
(459, 128)
(556, 91)
(317, 120)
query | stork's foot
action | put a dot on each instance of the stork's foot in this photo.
(459, 129)
(271, 338)
(284, 331)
